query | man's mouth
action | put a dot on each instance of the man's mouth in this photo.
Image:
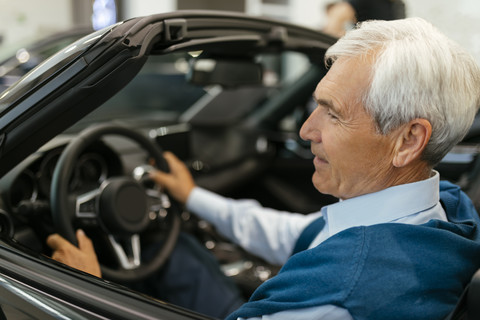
(319, 161)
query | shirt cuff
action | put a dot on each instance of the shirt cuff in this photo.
(201, 201)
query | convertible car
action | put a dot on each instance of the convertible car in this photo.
(225, 92)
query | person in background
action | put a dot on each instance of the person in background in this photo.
(343, 15)
(400, 244)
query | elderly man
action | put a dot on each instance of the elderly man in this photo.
(399, 244)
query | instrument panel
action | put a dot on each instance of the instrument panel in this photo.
(31, 183)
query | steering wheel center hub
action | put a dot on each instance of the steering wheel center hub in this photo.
(123, 206)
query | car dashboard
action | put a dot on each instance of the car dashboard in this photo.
(26, 189)
(26, 193)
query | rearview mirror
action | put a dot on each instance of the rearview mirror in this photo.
(229, 72)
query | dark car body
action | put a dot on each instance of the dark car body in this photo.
(235, 124)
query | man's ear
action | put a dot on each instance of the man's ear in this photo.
(411, 142)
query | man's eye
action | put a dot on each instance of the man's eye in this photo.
(331, 115)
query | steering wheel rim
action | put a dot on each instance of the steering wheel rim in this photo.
(63, 214)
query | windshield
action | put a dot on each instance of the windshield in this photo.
(20, 58)
(47, 68)
(161, 93)
(158, 93)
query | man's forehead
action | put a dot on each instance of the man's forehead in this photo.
(344, 84)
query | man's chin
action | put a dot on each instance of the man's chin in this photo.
(321, 185)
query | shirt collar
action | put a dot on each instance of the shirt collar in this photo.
(383, 206)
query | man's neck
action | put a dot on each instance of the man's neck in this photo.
(412, 173)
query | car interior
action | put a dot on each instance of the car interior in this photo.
(232, 118)
(250, 149)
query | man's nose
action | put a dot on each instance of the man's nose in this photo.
(308, 128)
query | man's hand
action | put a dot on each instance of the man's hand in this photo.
(82, 258)
(179, 182)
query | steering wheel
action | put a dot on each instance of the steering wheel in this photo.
(122, 208)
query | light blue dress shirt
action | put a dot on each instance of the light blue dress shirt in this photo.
(272, 234)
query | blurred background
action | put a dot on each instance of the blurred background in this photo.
(25, 21)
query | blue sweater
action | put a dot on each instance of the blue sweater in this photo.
(384, 271)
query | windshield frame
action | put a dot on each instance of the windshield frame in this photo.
(48, 68)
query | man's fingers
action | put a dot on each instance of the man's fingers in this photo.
(83, 258)
(178, 182)
(170, 157)
(56, 242)
(174, 162)
(59, 256)
(84, 242)
(161, 178)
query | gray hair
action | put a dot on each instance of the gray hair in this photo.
(418, 73)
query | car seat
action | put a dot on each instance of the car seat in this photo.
(468, 307)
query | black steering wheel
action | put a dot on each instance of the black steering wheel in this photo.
(122, 208)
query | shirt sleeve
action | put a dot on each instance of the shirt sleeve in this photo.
(267, 233)
(326, 312)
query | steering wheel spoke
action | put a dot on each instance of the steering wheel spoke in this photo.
(127, 251)
(158, 203)
(86, 205)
